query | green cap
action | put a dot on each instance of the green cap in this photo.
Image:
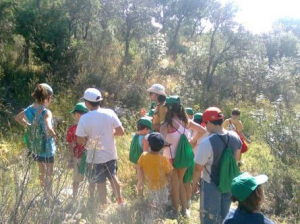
(244, 184)
(198, 116)
(80, 107)
(146, 121)
(172, 100)
(189, 111)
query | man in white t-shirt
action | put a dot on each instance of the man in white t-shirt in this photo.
(97, 129)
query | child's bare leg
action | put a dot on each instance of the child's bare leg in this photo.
(102, 193)
(49, 177)
(115, 187)
(175, 190)
(182, 193)
(188, 191)
(92, 187)
(42, 174)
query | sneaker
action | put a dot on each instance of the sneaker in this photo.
(187, 213)
(172, 214)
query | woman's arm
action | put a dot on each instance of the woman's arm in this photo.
(48, 122)
(200, 131)
(21, 119)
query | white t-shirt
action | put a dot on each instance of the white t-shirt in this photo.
(199, 141)
(98, 126)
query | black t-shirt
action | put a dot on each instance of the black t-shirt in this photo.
(239, 217)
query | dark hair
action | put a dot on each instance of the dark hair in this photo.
(176, 109)
(40, 94)
(155, 149)
(217, 122)
(236, 111)
(161, 98)
(79, 112)
(94, 104)
(141, 127)
(252, 202)
(198, 121)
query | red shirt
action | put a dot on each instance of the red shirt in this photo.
(72, 139)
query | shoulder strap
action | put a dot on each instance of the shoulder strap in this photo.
(179, 125)
(226, 144)
(232, 125)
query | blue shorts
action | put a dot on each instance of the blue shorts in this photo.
(97, 173)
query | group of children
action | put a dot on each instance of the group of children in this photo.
(171, 143)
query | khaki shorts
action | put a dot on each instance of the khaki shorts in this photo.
(77, 177)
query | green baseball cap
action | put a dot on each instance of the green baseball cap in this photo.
(198, 116)
(146, 122)
(80, 107)
(172, 100)
(244, 184)
(189, 111)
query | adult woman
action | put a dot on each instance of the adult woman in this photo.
(176, 123)
(158, 95)
(247, 191)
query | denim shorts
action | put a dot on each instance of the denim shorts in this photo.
(97, 173)
(214, 206)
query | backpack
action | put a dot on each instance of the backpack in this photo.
(188, 176)
(184, 154)
(135, 150)
(244, 144)
(228, 169)
(35, 137)
(82, 164)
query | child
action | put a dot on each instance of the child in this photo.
(155, 169)
(76, 150)
(190, 112)
(40, 135)
(138, 143)
(98, 129)
(248, 192)
(234, 124)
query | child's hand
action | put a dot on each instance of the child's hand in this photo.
(140, 187)
(143, 112)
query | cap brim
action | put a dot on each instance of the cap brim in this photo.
(82, 98)
(159, 93)
(260, 179)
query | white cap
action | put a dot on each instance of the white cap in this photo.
(92, 95)
(158, 89)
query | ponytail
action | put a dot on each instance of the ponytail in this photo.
(42, 92)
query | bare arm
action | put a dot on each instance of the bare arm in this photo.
(164, 130)
(196, 176)
(20, 118)
(200, 131)
(81, 140)
(237, 155)
(119, 131)
(48, 123)
(145, 145)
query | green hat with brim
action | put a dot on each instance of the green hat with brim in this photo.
(189, 111)
(80, 107)
(172, 100)
(146, 122)
(244, 184)
(198, 116)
